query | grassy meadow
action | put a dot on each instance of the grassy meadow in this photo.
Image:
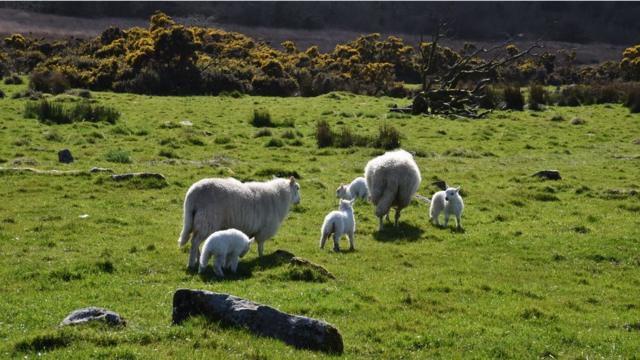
(543, 268)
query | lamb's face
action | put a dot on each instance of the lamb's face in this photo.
(450, 193)
(341, 192)
(245, 250)
(295, 191)
(346, 205)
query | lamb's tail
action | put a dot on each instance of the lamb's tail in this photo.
(423, 198)
(188, 224)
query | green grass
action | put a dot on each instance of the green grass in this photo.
(542, 268)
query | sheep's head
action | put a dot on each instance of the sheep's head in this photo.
(451, 193)
(346, 205)
(295, 190)
(341, 192)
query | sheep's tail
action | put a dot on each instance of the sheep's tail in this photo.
(423, 198)
(188, 224)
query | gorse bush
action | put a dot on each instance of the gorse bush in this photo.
(57, 113)
(261, 118)
(118, 156)
(513, 98)
(13, 79)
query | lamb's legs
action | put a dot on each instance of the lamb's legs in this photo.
(323, 239)
(234, 264)
(203, 262)
(217, 268)
(336, 242)
(458, 222)
(446, 219)
(351, 241)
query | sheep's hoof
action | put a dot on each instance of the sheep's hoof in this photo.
(336, 249)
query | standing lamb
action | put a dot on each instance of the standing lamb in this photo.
(392, 179)
(448, 201)
(255, 208)
(228, 246)
(339, 223)
(357, 189)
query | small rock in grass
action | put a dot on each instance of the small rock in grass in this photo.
(557, 118)
(548, 175)
(86, 315)
(64, 156)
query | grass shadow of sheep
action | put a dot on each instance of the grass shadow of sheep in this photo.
(402, 232)
(246, 268)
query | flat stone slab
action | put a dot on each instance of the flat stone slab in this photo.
(86, 315)
(298, 331)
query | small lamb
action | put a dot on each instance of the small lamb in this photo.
(339, 223)
(451, 202)
(357, 189)
(228, 246)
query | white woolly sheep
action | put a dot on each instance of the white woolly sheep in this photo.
(255, 208)
(339, 223)
(228, 246)
(448, 201)
(392, 179)
(357, 189)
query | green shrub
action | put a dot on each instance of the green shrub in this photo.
(345, 138)
(261, 118)
(289, 134)
(51, 82)
(118, 156)
(56, 113)
(324, 136)
(633, 99)
(13, 79)
(388, 137)
(537, 97)
(513, 98)
(274, 143)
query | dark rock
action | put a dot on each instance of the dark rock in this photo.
(299, 331)
(440, 184)
(548, 175)
(64, 156)
(85, 315)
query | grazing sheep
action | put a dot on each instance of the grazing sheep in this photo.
(448, 201)
(255, 208)
(228, 246)
(339, 223)
(392, 179)
(357, 189)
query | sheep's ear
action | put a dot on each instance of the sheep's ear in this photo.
(458, 188)
(292, 180)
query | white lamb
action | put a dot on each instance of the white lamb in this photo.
(255, 208)
(357, 189)
(392, 179)
(228, 246)
(448, 201)
(339, 223)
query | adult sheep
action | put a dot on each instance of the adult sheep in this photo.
(392, 179)
(255, 208)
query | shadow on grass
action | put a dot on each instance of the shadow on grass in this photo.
(403, 232)
(246, 268)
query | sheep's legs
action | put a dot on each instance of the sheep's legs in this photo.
(260, 247)
(446, 219)
(458, 222)
(397, 217)
(351, 241)
(194, 256)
